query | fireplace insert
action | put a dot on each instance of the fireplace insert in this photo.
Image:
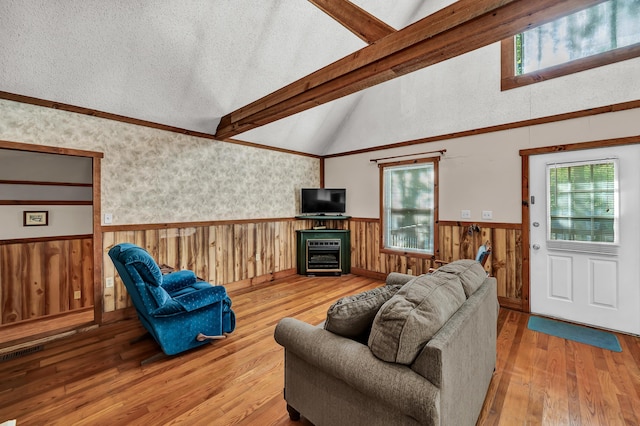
(323, 256)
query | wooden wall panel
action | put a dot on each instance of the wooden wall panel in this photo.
(108, 293)
(55, 263)
(456, 241)
(241, 252)
(41, 278)
(248, 253)
(86, 282)
(121, 299)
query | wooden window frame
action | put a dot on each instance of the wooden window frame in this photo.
(509, 79)
(436, 197)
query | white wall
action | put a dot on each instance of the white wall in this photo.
(477, 173)
(63, 220)
(37, 166)
(457, 95)
(464, 94)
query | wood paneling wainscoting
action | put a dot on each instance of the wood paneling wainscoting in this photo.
(46, 287)
(461, 241)
(242, 254)
(43, 277)
(237, 254)
(457, 240)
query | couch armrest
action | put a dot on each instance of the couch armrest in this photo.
(353, 363)
(461, 356)
(178, 280)
(397, 278)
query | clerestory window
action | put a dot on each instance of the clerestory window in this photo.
(602, 34)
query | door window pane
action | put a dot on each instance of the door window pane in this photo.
(583, 202)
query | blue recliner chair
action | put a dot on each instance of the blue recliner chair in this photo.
(179, 311)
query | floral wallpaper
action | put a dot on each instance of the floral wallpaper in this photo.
(156, 176)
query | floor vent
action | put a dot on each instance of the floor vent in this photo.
(21, 352)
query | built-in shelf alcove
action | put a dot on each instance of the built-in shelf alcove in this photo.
(49, 268)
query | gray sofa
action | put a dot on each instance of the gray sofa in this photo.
(413, 357)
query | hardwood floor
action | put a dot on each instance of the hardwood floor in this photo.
(95, 377)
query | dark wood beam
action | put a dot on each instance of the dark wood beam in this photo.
(355, 19)
(457, 29)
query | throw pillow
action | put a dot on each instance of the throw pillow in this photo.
(470, 272)
(407, 321)
(351, 316)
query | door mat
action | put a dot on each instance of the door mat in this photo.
(577, 333)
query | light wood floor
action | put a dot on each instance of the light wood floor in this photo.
(95, 378)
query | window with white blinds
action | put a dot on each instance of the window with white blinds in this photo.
(583, 202)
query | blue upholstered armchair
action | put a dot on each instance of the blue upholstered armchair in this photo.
(179, 311)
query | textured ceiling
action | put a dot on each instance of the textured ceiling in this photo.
(185, 64)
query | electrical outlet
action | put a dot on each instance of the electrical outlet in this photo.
(257, 257)
(108, 218)
(465, 214)
(487, 214)
(409, 271)
(109, 282)
(77, 294)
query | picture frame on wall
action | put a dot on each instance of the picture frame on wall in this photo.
(36, 218)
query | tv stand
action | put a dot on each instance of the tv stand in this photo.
(323, 217)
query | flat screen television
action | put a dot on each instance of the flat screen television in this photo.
(323, 200)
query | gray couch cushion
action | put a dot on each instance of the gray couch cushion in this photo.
(351, 316)
(470, 272)
(406, 322)
(396, 278)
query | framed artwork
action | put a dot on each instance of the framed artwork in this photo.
(36, 218)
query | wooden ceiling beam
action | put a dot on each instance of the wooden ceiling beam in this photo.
(457, 29)
(355, 19)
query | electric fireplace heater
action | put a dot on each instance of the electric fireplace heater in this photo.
(323, 256)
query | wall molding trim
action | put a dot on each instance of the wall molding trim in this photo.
(147, 226)
(45, 239)
(19, 146)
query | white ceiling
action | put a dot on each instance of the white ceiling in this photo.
(187, 63)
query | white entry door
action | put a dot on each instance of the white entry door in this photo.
(585, 236)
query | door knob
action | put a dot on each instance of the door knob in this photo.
(536, 246)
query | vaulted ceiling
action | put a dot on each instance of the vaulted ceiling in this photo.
(284, 73)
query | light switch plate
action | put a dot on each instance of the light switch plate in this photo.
(108, 218)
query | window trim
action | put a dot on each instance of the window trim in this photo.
(509, 79)
(436, 197)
